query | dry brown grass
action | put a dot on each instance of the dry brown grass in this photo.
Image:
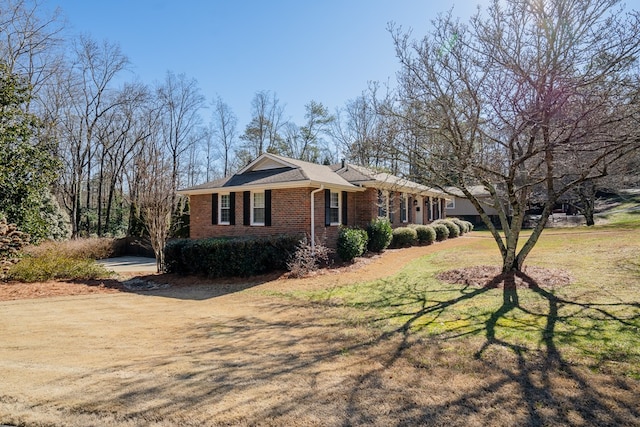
(238, 353)
(87, 248)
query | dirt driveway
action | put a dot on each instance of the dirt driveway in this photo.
(229, 354)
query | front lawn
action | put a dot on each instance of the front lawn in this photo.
(384, 343)
(592, 322)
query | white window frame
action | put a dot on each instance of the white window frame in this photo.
(332, 207)
(253, 207)
(450, 204)
(220, 209)
(404, 208)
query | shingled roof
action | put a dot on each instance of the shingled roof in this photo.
(272, 171)
(367, 177)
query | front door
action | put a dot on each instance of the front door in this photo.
(419, 211)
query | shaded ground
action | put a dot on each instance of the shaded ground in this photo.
(367, 268)
(203, 353)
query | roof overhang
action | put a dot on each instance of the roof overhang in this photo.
(272, 186)
(425, 192)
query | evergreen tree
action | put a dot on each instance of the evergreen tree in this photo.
(27, 164)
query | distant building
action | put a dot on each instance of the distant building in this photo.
(460, 207)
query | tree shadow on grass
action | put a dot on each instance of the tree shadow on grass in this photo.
(182, 287)
(291, 362)
(551, 389)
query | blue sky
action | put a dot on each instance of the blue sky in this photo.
(302, 50)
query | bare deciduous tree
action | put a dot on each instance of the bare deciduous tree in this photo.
(529, 97)
(357, 129)
(262, 134)
(180, 102)
(224, 132)
(156, 200)
(30, 41)
(87, 96)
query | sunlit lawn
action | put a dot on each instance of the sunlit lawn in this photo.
(593, 322)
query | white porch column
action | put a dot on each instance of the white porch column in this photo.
(430, 208)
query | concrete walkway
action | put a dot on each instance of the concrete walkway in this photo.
(130, 264)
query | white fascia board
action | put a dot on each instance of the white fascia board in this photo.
(274, 186)
(258, 159)
(382, 185)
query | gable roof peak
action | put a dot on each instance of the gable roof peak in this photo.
(267, 161)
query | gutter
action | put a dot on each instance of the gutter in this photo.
(313, 217)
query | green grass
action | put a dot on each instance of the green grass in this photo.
(626, 214)
(594, 321)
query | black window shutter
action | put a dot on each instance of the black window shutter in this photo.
(410, 209)
(267, 208)
(246, 208)
(344, 208)
(232, 208)
(214, 208)
(327, 208)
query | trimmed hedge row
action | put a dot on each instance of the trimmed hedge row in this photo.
(226, 257)
(220, 257)
(438, 231)
(442, 232)
(426, 234)
(404, 237)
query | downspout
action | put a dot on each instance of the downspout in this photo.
(313, 217)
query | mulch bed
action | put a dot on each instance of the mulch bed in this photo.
(492, 277)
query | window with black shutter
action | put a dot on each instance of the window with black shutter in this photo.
(214, 208)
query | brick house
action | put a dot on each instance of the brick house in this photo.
(278, 195)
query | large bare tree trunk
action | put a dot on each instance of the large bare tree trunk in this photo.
(515, 104)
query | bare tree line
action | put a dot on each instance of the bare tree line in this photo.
(110, 129)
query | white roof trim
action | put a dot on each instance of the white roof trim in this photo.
(252, 166)
(273, 186)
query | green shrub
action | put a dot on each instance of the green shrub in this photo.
(426, 234)
(469, 226)
(223, 257)
(52, 266)
(352, 242)
(403, 237)
(380, 234)
(454, 231)
(462, 225)
(442, 232)
(173, 261)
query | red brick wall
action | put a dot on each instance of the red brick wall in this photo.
(365, 207)
(290, 214)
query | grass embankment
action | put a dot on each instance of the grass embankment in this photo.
(593, 322)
